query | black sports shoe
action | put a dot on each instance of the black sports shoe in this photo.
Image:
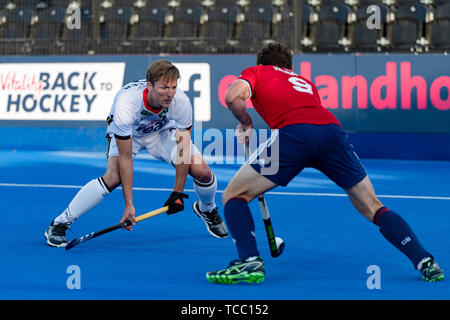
(56, 234)
(431, 271)
(249, 270)
(214, 224)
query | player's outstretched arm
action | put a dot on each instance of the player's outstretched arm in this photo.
(183, 158)
(126, 177)
(175, 201)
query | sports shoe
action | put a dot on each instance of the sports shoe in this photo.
(56, 234)
(431, 271)
(249, 270)
(214, 224)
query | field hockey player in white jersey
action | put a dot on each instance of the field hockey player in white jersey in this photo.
(148, 114)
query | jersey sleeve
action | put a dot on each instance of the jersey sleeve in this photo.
(249, 75)
(123, 117)
(182, 113)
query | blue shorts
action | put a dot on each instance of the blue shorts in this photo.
(294, 147)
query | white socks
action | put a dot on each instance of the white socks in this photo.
(87, 198)
(206, 193)
(95, 190)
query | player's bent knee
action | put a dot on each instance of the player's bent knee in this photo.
(112, 181)
(201, 173)
(364, 199)
(228, 194)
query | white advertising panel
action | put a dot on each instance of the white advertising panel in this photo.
(58, 91)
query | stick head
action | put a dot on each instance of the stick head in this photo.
(280, 247)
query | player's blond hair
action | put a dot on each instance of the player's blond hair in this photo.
(162, 69)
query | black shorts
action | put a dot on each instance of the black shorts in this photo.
(294, 147)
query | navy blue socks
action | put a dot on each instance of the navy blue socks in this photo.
(396, 230)
(399, 233)
(241, 226)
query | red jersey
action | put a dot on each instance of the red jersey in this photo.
(281, 97)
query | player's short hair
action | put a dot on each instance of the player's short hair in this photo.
(162, 69)
(275, 54)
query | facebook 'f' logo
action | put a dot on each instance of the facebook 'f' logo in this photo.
(195, 82)
(192, 93)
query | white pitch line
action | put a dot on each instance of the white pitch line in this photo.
(27, 185)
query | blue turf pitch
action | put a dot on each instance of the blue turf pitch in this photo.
(328, 245)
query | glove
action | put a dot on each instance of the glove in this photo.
(176, 202)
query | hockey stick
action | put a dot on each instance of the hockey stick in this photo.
(72, 243)
(276, 244)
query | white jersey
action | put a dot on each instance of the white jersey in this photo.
(132, 118)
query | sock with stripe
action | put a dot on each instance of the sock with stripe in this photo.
(206, 193)
(399, 233)
(240, 223)
(88, 197)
